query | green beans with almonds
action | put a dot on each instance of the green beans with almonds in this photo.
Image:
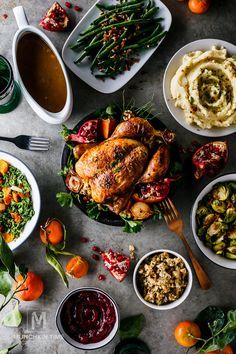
(113, 40)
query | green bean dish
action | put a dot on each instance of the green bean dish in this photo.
(112, 42)
(216, 219)
(16, 206)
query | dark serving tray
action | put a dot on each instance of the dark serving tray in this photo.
(106, 217)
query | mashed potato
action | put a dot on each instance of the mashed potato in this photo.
(204, 86)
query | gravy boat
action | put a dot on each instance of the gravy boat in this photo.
(24, 28)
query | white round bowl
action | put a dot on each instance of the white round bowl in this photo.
(90, 346)
(24, 28)
(173, 304)
(224, 262)
(35, 195)
(174, 64)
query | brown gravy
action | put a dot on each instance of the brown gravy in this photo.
(41, 73)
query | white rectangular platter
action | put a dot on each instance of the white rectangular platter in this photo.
(83, 70)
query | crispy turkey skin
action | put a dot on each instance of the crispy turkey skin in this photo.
(112, 168)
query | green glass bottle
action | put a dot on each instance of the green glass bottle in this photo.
(10, 93)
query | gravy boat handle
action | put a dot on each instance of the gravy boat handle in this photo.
(20, 16)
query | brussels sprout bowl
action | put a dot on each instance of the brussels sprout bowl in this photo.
(213, 221)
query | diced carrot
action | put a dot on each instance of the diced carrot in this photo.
(15, 196)
(2, 207)
(7, 200)
(16, 217)
(7, 195)
(106, 127)
(3, 167)
(8, 237)
(6, 191)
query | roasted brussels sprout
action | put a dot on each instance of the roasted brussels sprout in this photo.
(216, 219)
(221, 192)
(231, 234)
(209, 219)
(232, 249)
(219, 247)
(215, 228)
(218, 206)
(230, 255)
(233, 198)
(202, 211)
(230, 215)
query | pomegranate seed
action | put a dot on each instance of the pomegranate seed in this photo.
(101, 277)
(95, 257)
(96, 249)
(84, 239)
(77, 8)
(68, 4)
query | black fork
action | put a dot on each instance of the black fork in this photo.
(27, 142)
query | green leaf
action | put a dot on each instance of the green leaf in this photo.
(93, 210)
(64, 199)
(132, 226)
(5, 283)
(23, 270)
(13, 318)
(211, 318)
(7, 350)
(132, 326)
(6, 257)
(65, 131)
(111, 110)
(231, 316)
(157, 213)
(52, 260)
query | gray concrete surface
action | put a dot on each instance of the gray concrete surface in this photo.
(219, 22)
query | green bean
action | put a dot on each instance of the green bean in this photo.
(119, 6)
(97, 55)
(116, 25)
(81, 57)
(151, 12)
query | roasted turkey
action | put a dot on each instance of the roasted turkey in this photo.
(108, 172)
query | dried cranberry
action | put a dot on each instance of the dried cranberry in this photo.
(84, 239)
(5, 16)
(77, 8)
(96, 249)
(95, 257)
(68, 4)
(101, 277)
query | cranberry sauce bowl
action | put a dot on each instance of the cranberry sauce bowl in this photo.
(87, 318)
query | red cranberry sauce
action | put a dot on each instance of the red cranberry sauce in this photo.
(88, 317)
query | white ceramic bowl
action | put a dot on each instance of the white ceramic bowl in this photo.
(224, 262)
(29, 227)
(174, 64)
(49, 117)
(90, 346)
(83, 71)
(174, 303)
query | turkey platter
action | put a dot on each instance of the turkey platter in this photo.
(118, 164)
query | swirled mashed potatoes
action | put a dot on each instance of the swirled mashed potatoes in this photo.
(204, 86)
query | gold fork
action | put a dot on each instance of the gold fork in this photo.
(175, 224)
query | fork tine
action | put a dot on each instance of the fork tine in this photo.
(40, 141)
(173, 207)
(37, 148)
(38, 138)
(38, 144)
(168, 210)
